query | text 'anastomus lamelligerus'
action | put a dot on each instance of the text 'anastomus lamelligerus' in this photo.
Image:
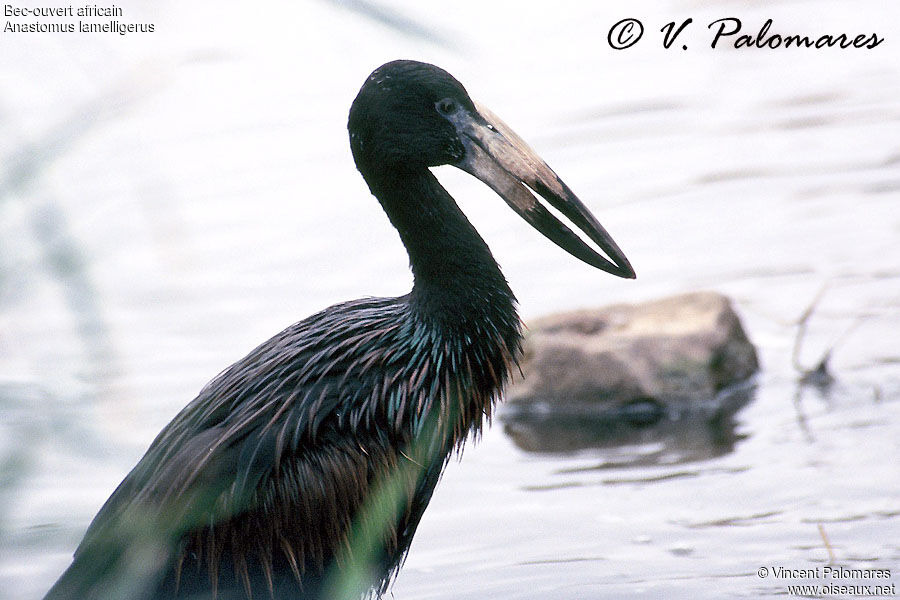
(303, 470)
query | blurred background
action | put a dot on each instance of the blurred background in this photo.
(169, 200)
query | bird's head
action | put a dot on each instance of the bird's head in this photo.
(398, 121)
(410, 115)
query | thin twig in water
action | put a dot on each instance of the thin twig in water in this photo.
(828, 547)
(819, 375)
(802, 322)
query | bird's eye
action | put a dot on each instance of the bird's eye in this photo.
(447, 106)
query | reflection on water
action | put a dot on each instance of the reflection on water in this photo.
(166, 203)
(648, 437)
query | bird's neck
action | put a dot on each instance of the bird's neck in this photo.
(460, 306)
(458, 284)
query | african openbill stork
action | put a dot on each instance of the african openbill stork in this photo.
(303, 470)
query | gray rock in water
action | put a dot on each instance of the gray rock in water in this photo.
(637, 362)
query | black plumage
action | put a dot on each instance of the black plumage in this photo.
(303, 470)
